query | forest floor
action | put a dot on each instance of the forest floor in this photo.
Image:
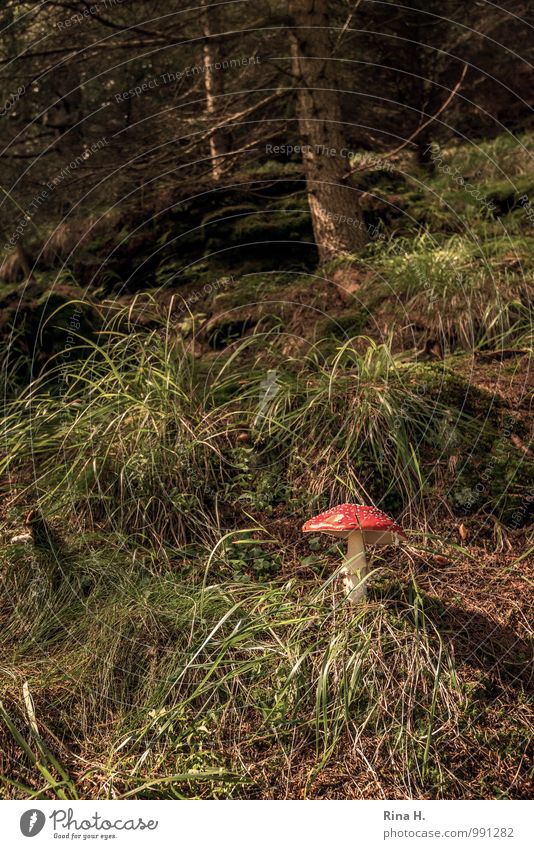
(167, 630)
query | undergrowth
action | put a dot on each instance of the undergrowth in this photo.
(165, 631)
(182, 685)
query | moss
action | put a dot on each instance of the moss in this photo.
(250, 289)
(274, 224)
(286, 221)
(277, 235)
(45, 320)
(511, 489)
(451, 389)
(492, 473)
(223, 333)
(345, 326)
(225, 214)
(382, 180)
(500, 481)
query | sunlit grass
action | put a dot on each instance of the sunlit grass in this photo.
(468, 294)
(169, 675)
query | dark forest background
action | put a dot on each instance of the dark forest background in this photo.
(168, 119)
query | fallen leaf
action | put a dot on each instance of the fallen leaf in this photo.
(518, 442)
(440, 560)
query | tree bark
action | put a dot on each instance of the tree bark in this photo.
(334, 204)
(214, 86)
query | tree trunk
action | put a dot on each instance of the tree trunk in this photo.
(214, 86)
(334, 204)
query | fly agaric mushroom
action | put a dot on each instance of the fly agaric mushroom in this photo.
(359, 525)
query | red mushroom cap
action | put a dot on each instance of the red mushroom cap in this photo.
(352, 517)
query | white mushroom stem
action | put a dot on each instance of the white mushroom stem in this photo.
(355, 568)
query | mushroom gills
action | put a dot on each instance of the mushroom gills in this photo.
(355, 568)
